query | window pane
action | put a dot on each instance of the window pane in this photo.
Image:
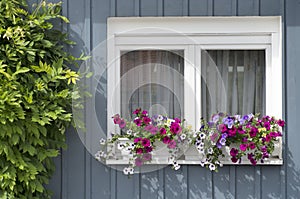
(233, 81)
(152, 80)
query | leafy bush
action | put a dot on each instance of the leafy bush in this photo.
(35, 96)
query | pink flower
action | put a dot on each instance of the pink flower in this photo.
(136, 140)
(172, 144)
(122, 124)
(233, 152)
(117, 119)
(139, 151)
(175, 128)
(243, 147)
(163, 131)
(281, 123)
(138, 162)
(222, 128)
(147, 157)
(138, 122)
(146, 142)
(148, 149)
(214, 136)
(166, 140)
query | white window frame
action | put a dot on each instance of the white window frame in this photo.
(193, 34)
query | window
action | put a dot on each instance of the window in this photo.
(230, 64)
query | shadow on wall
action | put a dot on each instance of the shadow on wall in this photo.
(243, 182)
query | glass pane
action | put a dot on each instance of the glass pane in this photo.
(233, 81)
(152, 80)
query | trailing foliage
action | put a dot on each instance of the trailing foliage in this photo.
(35, 96)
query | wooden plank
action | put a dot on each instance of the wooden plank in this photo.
(150, 185)
(176, 183)
(248, 8)
(223, 181)
(271, 184)
(292, 162)
(246, 182)
(175, 8)
(200, 8)
(125, 8)
(225, 7)
(151, 8)
(271, 7)
(199, 183)
(127, 187)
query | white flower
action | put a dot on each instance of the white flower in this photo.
(182, 136)
(130, 171)
(210, 151)
(200, 150)
(102, 141)
(171, 159)
(129, 132)
(176, 167)
(212, 167)
(160, 118)
(195, 135)
(125, 171)
(169, 121)
(202, 163)
(202, 136)
(120, 146)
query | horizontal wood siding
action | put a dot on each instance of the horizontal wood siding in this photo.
(79, 176)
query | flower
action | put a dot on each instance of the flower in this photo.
(144, 112)
(177, 120)
(243, 147)
(252, 145)
(281, 123)
(138, 121)
(146, 120)
(138, 162)
(137, 111)
(234, 152)
(166, 140)
(136, 140)
(147, 157)
(139, 151)
(253, 132)
(162, 131)
(182, 136)
(212, 167)
(172, 144)
(102, 141)
(146, 142)
(148, 149)
(175, 128)
(122, 124)
(129, 132)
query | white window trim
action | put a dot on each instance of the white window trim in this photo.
(193, 34)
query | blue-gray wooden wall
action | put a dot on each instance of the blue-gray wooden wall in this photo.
(79, 176)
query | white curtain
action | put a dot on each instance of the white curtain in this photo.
(233, 81)
(152, 80)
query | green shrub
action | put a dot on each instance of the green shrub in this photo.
(36, 88)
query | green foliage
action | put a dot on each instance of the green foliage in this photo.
(36, 88)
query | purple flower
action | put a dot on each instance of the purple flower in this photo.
(136, 140)
(122, 124)
(146, 120)
(162, 131)
(146, 142)
(222, 141)
(229, 122)
(139, 151)
(166, 140)
(267, 125)
(172, 144)
(252, 145)
(137, 111)
(214, 136)
(175, 128)
(234, 159)
(253, 161)
(243, 147)
(148, 149)
(138, 162)
(263, 149)
(177, 120)
(234, 152)
(281, 123)
(117, 119)
(222, 128)
(245, 117)
(147, 157)
(215, 118)
(219, 145)
(244, 139)
(253, 132)
(138, 121)
(210, 124)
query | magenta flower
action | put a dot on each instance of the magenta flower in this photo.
(172, 144)
(243, 147)
(253, 161)
(281, 123)
(136, 140)
(144, 112)
(146, 120)
(252, 145)
(162, 131)
(244, 139)
(148, 149)
(138, 162)
(177, 120)
(222, 128)
(166, 140)
(137, 111)
(273, 134)
(234, 159)
(253, 132)
(234, 152)
(147, 157)
(240, 130)
(138, 122)
(232, 132)
(152, 129)
(267, 125)
(139, 151)
(175, 128)
(122, 124)
(117, 119)
(214, 136)
(268, 138)
(146, 142)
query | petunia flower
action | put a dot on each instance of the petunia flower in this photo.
(233, 152)
(146, 120)
(136, 140)
(139, 151)
(138, 162)
(166, 140)
(137, 111)
(147, 157)
(162, 131)
(243, 147)
(146, 142)
(281, 123)
(122, 124)
(175, 128)
(138, 122)
(252, 145)
(172, 144)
